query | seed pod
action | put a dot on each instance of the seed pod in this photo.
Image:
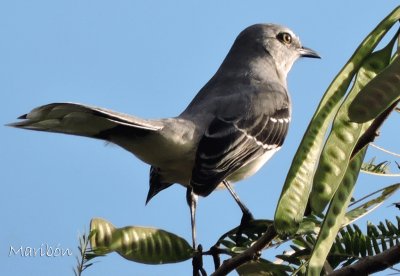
(293, 199)
(344, 135)
(334, 216)
(378, 95)
(139, 244)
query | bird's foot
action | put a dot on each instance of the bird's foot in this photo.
(197, 262)
(245, 222)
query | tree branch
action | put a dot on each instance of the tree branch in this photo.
(371, 264)
(250, 254)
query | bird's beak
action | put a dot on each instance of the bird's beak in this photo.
(307, 52)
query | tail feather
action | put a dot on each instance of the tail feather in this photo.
(82, 120)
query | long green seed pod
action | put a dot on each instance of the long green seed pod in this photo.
(338, 148)
(139, 244)
(378, 95)
(293, 199)
(334, 216)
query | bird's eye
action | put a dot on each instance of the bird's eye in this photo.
(285, 38)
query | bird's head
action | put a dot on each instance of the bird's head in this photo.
(261, 41)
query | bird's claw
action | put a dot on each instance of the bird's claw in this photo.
(245, 222)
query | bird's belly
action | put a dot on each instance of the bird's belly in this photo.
(252, 167)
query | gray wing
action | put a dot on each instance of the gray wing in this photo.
(229, 144)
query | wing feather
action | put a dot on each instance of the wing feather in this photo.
(229, 144)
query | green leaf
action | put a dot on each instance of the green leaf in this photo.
(289, 259)
(380, 168)
(372, 230)
(340, 247)
(139, 244)
(350, 230)
(383, 244)
(363, 245)
(254, 230)
(382, 228)
(351, 244)
(85, 254)
(293, 199)
(262, 267)
(375, 245)
(356, 244)
(309, 225)
(370, 249)
(391, 227)
(370, 205)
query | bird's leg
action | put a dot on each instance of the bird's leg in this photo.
(191, 199)
(197, 261)
(247, 216)
(246, 212)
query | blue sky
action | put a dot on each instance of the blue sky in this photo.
(147, 58)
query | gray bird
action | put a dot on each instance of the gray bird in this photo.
(237, 121)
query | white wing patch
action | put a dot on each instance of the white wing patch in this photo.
(280, 120)
(258, 142)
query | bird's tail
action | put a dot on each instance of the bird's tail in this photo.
(83, 120)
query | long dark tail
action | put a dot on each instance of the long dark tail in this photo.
(83, 120)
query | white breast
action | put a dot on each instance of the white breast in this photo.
(253, 166)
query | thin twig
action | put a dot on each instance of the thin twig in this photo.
(381, 174)
(384, 150)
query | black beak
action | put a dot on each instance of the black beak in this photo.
(307, 52)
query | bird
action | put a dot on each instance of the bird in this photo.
(230, 129)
